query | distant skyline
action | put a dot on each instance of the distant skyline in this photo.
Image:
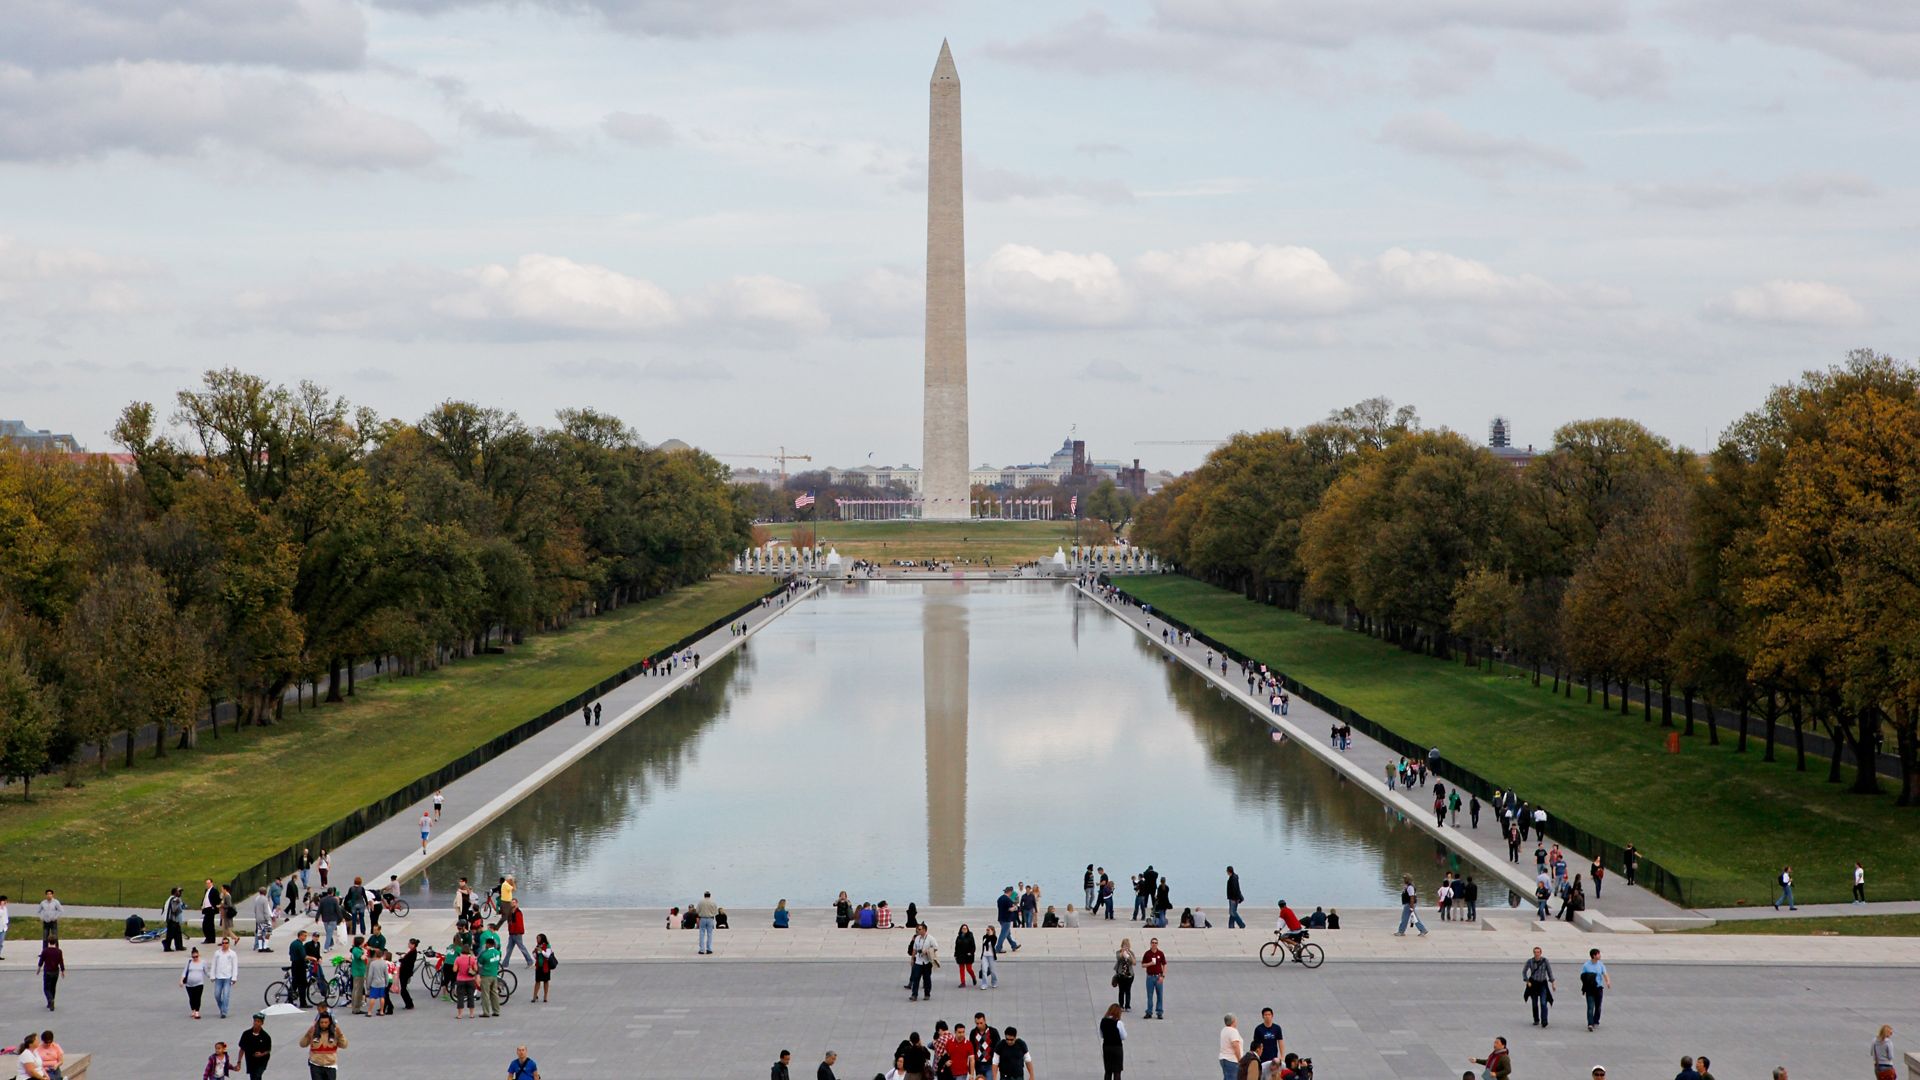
(1184, 217)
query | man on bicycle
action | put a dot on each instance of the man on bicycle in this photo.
(1288, 927)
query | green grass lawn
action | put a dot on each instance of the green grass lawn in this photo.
(1008, 542)
(127, 836)
(1725, 822)
(24, 933)
(1843, 925)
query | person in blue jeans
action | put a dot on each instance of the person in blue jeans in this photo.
(1409, 900)
(1594, 982)
(1006, 907)
(1786, 890)
(1234, 899)
(1155, 963)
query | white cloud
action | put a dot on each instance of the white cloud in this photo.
(887, 301)
(172, 110)
(1106, 370)
(538, 297)
(59, 284)
(765, 304)
(298, 34)
(555, 293)
(992, 184)
(1340, 23)
(1435, 276)
(1805, 189)
(1874, 36)
(1242, 280)
(1790, 303)
(687, 18)
(1435, 134)
(494, 120)
(1026, 286)
(637, 129)
(1619, 68)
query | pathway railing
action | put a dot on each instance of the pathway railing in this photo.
(346, 828)
(1650, 874)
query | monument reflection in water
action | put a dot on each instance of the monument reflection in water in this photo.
(935, 742)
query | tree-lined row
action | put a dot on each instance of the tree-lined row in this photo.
(277, 537)
(1778, 575)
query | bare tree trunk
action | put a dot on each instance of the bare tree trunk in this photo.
(333, 681)
(1773, 721)
(1799, 734)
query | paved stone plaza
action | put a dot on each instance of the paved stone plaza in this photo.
(687, 1018)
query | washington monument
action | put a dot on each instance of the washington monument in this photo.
(944, 491)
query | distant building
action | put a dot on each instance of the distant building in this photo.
(1133, 479)
(17, 433)
(1500, 442)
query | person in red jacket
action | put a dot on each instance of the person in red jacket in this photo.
(516, 936)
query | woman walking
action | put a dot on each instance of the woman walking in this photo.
(987, 975)
(194, 978)
(1113, 1038)
(544, 961)
(1882, 1050)
(964, 951)
(1123, 961)
(323, 864)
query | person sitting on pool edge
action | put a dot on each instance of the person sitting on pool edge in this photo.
(780, 915)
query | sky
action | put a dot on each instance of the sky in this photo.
(1184, 217)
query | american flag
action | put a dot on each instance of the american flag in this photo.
(1073, 505)
(803, 501)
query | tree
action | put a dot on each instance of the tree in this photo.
(1485, 603)
(132, 661)
(1111, 504)
(26, 723)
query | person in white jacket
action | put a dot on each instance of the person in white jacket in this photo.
(225, 971)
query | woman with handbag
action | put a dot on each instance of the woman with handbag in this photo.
(1123, 961)
(194, 978)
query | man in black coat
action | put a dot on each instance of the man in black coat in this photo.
(1234, 899)
(209, 910)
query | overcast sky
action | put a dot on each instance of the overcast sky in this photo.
(1184, 217)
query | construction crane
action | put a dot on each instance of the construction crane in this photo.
(782, 457)
(1181, 442)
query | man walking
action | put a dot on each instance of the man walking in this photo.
(1234, 899)
(1537, 977)
(1409, 900)
(49, 912)
(1005, 909)
(1086, 882)
(1594, 982)
(1470, 892)
(256, 1047)
(1155, 962)
(707, 910)
(426, 829)
(522, 1067)
(1859, 884)
(923, 950)
(825, 1071)
(225, 972)
(6, 920)
(1786, 890)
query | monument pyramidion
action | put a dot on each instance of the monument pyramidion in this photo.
(944, 491)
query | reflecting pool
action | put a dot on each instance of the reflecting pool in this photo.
(934, 742)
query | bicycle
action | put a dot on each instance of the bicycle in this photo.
(1275, 953)
(436, 979)
(398, 907)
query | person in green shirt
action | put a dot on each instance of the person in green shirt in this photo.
(358, 970)
(489, 976)
(377, 940)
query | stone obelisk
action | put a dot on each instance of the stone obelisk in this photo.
(944, 491)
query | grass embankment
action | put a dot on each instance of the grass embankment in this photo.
(1842, 925)
(126, 837)
(1008, 542)
(24, 934)
(1724, 822)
